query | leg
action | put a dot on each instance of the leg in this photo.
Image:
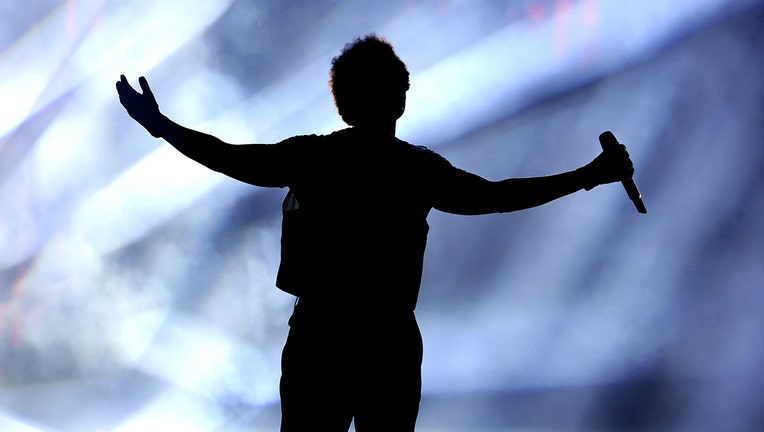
(389, 380)
(313, 384)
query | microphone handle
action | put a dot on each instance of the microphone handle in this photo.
(610, 143)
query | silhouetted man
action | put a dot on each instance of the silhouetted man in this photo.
(353, 237)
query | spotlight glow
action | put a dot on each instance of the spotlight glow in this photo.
(136, 287)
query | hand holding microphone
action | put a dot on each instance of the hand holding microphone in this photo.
(613, 165)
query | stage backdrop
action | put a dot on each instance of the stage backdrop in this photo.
(137, 287)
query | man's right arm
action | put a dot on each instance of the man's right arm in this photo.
(257, 164)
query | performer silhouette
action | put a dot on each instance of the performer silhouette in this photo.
(353, 237)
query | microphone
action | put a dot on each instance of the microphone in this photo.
(610, 143)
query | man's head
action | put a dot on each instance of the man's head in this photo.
(369, 82)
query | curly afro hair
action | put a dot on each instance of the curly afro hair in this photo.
(369, 81)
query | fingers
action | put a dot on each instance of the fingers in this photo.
(147, 90)
(624, 163)
(144, 85)
(126, 90)
(122, 84)
(124, 87)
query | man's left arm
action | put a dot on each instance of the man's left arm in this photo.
(461, 192)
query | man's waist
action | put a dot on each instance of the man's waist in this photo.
(356, 305)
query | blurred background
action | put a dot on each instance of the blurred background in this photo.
(137, 288)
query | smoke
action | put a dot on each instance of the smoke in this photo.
(138, 287)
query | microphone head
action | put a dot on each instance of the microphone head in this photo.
(608, 141)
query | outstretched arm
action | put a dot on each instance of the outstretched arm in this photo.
(465, 193)
(252, 163)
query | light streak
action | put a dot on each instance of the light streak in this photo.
(102, 224)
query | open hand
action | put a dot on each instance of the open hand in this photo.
(141, 107)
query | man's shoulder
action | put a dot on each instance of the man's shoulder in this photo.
(300, 139)
(429, 155)
(350, 140)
